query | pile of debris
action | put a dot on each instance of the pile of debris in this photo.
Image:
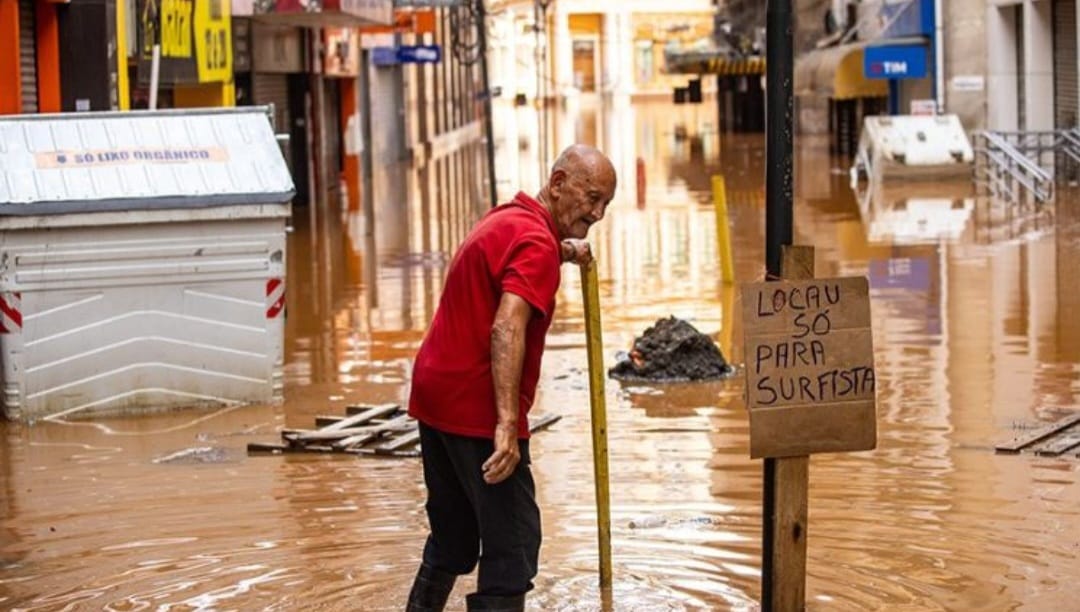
(672, 350)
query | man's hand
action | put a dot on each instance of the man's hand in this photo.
(507, 454)
(576, 251)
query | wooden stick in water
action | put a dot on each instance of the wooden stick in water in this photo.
(595, 348)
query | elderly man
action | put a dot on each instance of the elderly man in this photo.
(475, 377)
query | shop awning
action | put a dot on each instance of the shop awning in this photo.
(325, 13)
(713, 63)
(836, 72)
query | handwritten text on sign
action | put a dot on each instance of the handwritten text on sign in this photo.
(809, 348)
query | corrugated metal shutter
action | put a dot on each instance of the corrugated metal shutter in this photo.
(1066, 84)
(28, 57)
(274, 89)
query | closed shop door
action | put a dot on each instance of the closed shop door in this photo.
(28, 57)
(1066, 96)
(331, 121)
(273, 89)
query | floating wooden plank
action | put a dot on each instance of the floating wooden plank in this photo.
(403, 423)
(397, 424)
(542, 422)
(378, 430)
(1059, 444)
(363, 416)
(277, 449)
(1021, 442)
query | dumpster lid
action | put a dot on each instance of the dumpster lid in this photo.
(140, 160)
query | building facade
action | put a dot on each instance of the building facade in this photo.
(1031, 79)
(63, 56)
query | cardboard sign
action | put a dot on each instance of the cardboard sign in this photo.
(810, 379)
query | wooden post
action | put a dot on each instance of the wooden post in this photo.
(595, 349)
(788, 490)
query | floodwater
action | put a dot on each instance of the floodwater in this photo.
(976, 336)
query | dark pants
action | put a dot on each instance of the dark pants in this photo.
(497, 525)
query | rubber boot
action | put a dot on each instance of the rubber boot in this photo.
(430, 590)
(493, 603)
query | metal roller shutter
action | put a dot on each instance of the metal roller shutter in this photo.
(28, 57)
(274, 89)
(1066, 85)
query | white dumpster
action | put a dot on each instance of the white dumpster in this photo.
(912, 147)
(142, 261)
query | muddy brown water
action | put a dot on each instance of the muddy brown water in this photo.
(977, 336)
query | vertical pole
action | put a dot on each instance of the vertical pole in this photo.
(723, 231)
(489, 129)
(789, 490)
(779, 68)
(595, 348)
(123, 93)
(778, 132)
(155, 71)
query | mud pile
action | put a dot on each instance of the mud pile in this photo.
(672, 350)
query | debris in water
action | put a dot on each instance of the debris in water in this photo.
(672, 350)
(201, 454)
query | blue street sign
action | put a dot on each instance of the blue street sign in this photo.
(895, 62)
(419, 54)
(384, 56)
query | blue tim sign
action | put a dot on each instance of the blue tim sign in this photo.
(895, 62)
(419, 54)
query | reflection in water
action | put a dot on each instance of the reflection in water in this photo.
(976, 335)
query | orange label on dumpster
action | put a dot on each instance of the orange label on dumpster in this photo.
(119, 157)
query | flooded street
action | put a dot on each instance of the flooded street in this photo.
(977, 338)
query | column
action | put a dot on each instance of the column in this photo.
(10, 82)
(1001, 83)
(626, 83)
(609, 53)
(562, 51)
(1038, 66)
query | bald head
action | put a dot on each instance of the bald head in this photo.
(581, 185)
(583, 158)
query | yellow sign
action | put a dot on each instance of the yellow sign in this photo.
(176, 28)
(118, 157)
(213, 40)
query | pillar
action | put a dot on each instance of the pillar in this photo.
(562, 50)
(48, 57)
(1002, 82)
(1038, 66)
(10, 83)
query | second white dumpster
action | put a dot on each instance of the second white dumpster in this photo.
(142, 261)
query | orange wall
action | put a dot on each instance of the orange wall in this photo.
(10, 86)
(48, 57)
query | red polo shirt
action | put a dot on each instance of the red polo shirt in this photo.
(514, 248)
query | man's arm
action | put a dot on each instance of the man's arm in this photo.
(507, 357)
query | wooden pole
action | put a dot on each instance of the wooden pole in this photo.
(788, 489)
(595, 349)
(779, 222)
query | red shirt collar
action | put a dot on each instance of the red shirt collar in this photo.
(524, 199)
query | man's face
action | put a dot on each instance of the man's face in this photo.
(582, 198)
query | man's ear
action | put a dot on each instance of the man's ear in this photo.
(557, 182)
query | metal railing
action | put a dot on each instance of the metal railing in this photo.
(1016, 166)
